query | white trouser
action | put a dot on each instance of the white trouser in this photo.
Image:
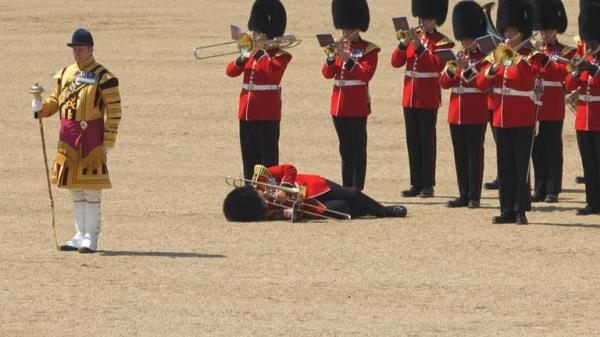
(87, 218)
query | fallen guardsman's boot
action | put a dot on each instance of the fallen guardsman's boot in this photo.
(395, 211)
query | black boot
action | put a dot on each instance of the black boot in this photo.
(492, 185)
(504, 218)
(521, 219)
(588, 210)
(537, 197)
(396, 211)
(579, 180)
(458, 202)
(412, 192)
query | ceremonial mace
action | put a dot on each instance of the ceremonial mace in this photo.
(36, 90)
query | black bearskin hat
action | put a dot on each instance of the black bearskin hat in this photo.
(350, 14)
(549, 14)
(515, 13)
(589, 28)
(431, 9)
(244, 204)
(268, 17)
(468, 20)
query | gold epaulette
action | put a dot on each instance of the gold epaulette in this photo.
(533, 54)
(370, 47)
(445, 40)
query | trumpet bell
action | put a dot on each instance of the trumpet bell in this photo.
(505, 55)
(246, 45)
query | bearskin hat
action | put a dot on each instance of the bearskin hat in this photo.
(350, 14)
(268, 17)
(244, 204)
(468, 20)
(431, 9)
(589, 29)
(515, 13)
(549, 14)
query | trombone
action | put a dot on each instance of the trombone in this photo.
(507, 55)
(296, 197)
(246, 45)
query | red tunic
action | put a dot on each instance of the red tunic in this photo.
(513, 91)
(421, 77)
(350, 97)
(588, 106)
(468, 103)
(260, 99)
(553, 76)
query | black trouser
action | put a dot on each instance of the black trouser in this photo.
(547, 157)
(494, 132)
(259, 141)
(352, 135)
(589, 148)
(467, 141)
(421, 141)
(513, 149)
(349, 200)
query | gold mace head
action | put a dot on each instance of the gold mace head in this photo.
(37, 90)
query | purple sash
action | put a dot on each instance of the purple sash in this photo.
(72, 134)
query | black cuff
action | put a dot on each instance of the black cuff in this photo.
(349, 64)
(593, 70)
(259, 54)
(420, 50)
(545, 60)
(402, 46)
(330, 61)
(467, 73)
(36, 114)
(240, 62)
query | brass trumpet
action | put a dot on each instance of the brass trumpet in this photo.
(331, 50)
(246, 45)
(453, 64)
(401, 34)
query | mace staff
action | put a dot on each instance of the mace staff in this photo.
(36, 90)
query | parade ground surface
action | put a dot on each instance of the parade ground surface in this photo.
(170, 265)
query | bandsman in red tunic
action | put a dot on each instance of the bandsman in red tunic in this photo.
(586, 78)
(250, 204)
(352, 67)
(260, 99)
(422, 93)
(512, 83)
(468, 112)
(550, 19)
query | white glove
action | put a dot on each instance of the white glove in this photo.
(36, 105)
(107, 149)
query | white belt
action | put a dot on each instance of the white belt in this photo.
(463, 90)
(552, 84)
(259, 87)
(348, 83)
(512, 92)
(589, 99)
(416, 74)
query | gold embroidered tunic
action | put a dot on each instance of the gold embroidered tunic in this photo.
(88, 101)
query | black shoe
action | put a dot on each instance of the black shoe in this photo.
(412, 192)
(85, 250)
(492, 185)
(396, 211)
(537, 197)
(588, 210)
(67, 248)
(458, 202)
(473, 203)
(551, 198)
(426, 192)
(521, 219)
(504, 218)
(579, 180)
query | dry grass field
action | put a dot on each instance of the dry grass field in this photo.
(170, 265)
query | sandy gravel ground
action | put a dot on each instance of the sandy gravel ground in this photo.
(171, 266)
